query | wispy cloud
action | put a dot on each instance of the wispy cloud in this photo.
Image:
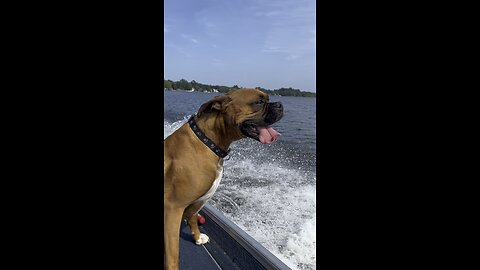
(273, 49)
(291, 28)
(190, 38)
(179, 49)
(217, 62)
(268, 13)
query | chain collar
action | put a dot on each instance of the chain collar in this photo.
(209, 143)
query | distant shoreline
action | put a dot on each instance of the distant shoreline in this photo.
(190, 91)
(193, 86)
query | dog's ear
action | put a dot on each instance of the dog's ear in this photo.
(218, 103)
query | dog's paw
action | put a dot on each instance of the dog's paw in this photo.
(202, 240)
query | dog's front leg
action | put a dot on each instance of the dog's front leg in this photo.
(172, 219)
(190, 215)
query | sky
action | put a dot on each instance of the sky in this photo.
(249, 43)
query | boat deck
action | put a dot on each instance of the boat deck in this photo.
(194, 257)
(229, 247)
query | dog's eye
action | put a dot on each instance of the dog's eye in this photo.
(260, 102)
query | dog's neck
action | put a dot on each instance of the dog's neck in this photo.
(216, 130)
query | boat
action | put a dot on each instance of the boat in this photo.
(229, 247)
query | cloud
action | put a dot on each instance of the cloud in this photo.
(190, 38)
(268, 13)
(291, 28)
(274, 49)
(292, 57)
(217, 62)
(183, 51)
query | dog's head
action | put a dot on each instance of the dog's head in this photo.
(247, 112)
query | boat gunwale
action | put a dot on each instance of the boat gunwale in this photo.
(252, 246)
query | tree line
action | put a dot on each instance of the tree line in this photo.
(200, 87)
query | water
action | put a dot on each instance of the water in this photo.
(267, 190)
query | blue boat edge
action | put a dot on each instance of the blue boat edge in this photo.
(229, 243)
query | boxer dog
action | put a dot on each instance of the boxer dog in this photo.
(193, 157)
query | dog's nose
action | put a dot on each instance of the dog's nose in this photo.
(277, 105)
(274, 112)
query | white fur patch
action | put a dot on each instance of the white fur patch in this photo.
(214, 186)
(203, 239)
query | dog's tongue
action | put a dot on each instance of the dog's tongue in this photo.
(267, 135)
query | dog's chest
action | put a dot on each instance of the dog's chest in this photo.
(215, 184)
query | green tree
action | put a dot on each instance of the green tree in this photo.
(184, 85)
(167, 84)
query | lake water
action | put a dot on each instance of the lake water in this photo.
(267, 190)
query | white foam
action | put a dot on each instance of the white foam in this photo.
(282, 219)
(169, 128)
(302, 244)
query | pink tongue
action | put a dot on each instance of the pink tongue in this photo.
(267, 135)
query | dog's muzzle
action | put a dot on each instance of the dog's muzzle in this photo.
(274, 113)
(259, 129)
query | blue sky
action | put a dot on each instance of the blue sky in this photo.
(250, 43)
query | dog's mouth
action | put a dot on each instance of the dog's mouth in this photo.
(263, 134)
